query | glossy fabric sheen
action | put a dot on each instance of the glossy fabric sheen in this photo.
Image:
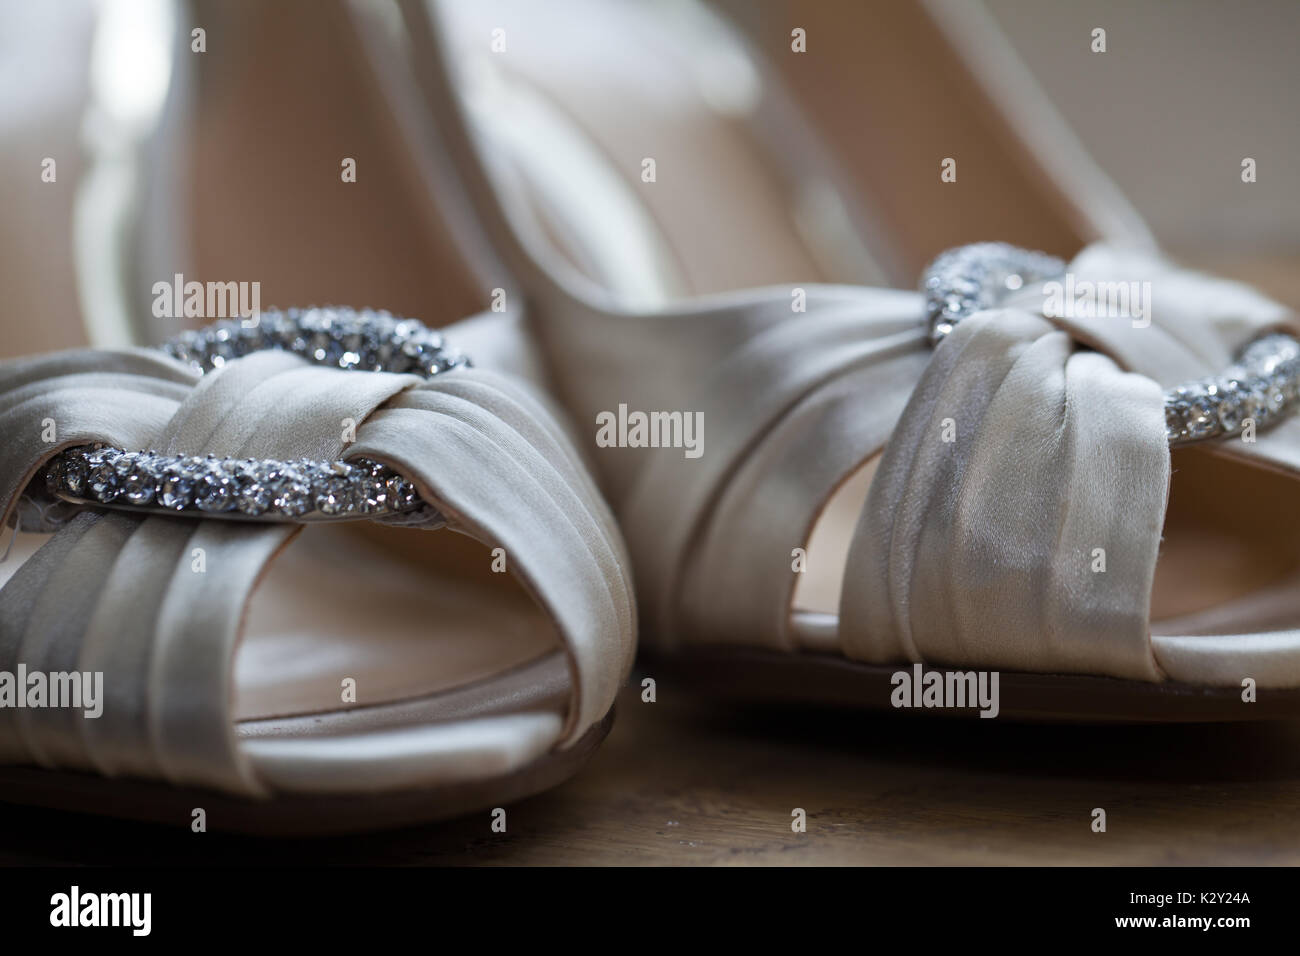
(1199, 324)
(979, 550)
(115, 591)
(974, 552)
(1011, 510)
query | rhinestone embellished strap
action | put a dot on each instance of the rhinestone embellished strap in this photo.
(365, 340)
(968, 279)
(251, 489)
(1261, 387)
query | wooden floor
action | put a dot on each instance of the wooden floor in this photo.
(683, 782)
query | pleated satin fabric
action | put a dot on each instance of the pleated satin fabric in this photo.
(795, 401)
(116, 592)
(1019, 461)
(1198, 325)
(977, 551)
(791, 403)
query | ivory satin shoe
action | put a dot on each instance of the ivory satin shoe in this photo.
(306, 570)
(969, 478)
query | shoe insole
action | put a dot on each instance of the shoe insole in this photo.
(401, 613)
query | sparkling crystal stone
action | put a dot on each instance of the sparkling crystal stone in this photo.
(125, 463)
(1256, 406)
(1274, 396)
(290, 495)
(70, 475)
(214, 491)
(337, 489)
(1201, 415)
(401, 493)
(1175, 420)
(176, 488)
(374, 495)
(254, 496)
(1232, 400)
(416, 353)
(1289, 375)
(139, 483)
(972, 278)
(323, 349)
(101, 475)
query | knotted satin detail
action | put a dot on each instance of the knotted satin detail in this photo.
(1054, 441)
(1198, 325)
(116, 592)
(1020, 461)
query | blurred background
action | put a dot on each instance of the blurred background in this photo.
(1184, 91)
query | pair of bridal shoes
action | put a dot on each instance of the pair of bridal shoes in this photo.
(810, 435)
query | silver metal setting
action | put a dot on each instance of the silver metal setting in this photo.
(248, 489)
(363, 340)
(252, 489)
(1261, 387)
(969, 279)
